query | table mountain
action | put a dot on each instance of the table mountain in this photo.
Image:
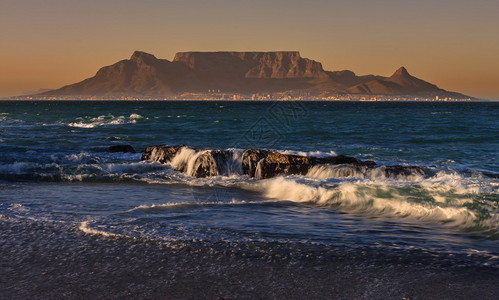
(144, 75)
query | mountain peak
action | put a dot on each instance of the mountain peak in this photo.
(239, 72)
(142, 56)
(402, 71)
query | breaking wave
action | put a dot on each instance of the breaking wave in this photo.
(229, 163)
(104, 120)
(341, 171)
(447, 199)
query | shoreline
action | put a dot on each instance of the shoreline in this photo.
(250, 101)
(48, 261)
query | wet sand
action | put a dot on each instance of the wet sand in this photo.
(48, 261)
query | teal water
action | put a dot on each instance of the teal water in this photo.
(55, 168)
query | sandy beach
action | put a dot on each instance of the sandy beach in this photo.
(45, 261)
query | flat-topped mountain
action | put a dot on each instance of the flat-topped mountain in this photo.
(144, 75)
(279, 64)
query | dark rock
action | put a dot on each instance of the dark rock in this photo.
(250, 158)
(276, 163)
(160, 153)
(337, 160)
(210, 163)
(491, 175)
(394, 171)
(367, 163)
(262, 164)
(205, 166)
(122, 148)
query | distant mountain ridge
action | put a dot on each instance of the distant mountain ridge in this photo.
(144, 75)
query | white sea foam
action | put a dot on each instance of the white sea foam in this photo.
(82, 125)
(135, 117)
(185, 159)
(80, 157)
(341, 171)
(382, 199)
(104, 121)
(309, 153)
(233, 166)
(86, 229)
(182, 205)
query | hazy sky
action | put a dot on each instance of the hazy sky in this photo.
(451, 43)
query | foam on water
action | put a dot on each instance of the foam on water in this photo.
(228, 165)
(341, 171)
(440, 200)
(81, 167)
(84, 227)
(233, 165)
(188, 205)
(185, 159)
(104, 120)
(308, 153)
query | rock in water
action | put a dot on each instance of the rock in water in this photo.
(250, 158)
(262, 163)
(205, 165)
(160, 153)
(122, 148)
(276, 163)
(211, 163)
(338, 160)
(395, 171)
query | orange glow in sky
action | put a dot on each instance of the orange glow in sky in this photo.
(451, 43)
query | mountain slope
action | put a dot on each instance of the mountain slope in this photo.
(401, 83)
(347, 78)
(144, 75)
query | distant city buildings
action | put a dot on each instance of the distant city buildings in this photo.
(217, 94)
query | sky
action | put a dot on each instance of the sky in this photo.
(46, 44)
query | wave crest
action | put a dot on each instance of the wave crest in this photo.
(429, 201)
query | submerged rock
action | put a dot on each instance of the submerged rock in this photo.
(210, 163)
(205, 166)
(396, 171)
(338, 160)
(491, 175)
(160, 153)
(276, 163)
(122, 148)
(264, 163)
(250, 159)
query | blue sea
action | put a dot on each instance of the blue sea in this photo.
(56, 170)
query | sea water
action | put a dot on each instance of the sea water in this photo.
(56, 168)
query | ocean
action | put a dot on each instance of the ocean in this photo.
(78, 220)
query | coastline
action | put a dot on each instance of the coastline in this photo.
(246, 98)
(251, 101)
